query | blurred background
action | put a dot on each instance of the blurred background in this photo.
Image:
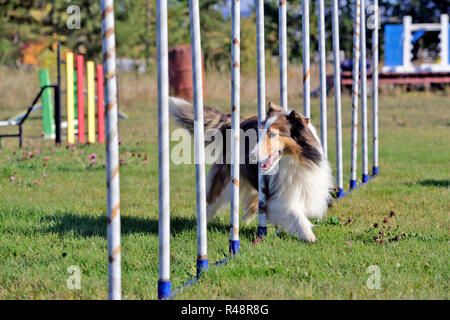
(29, 28)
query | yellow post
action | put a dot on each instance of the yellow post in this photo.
(91, 101)
(70, 98)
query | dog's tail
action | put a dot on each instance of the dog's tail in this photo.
(183, 114)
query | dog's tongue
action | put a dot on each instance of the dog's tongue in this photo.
(268, 162)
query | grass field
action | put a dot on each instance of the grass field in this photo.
(53, 215)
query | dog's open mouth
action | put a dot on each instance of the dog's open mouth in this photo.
(271, 160)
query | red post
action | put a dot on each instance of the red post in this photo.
(100, 105)
(80, 97)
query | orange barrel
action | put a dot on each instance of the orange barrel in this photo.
(180, 72)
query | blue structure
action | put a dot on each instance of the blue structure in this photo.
(398, 44)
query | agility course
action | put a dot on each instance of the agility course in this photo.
(359, 50)
(75, 80)
(55, 203)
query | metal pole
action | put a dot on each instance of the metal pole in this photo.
(355, 95)
(365, 157)
(375, 88)
(112, 149)
(58, 98)
(235, 125)
(163, 154)
(337, 99)
(282, 34)
(262, 229)
(323, 80)
(306, 68)
(199, 146)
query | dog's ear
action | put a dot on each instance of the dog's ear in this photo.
(273, 108)
(297, 119)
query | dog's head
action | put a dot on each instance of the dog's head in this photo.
(286, 133)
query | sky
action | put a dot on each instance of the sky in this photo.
(246, 8)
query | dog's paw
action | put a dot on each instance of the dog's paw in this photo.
(308, 236)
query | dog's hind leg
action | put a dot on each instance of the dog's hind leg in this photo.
(217, 189)
(250, 202)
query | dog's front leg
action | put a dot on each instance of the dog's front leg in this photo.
(292, 220)
(304, 228)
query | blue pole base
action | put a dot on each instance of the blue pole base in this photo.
(365, 178)
(202, 265)
(375, 171)
(352, 184)
(340, 193)
(262, 231)
(164, 289)
(234, 247)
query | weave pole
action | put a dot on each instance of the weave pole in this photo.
(235, 125)
(323, 80)
(70, 98)
(365, 157)
(375, 88)
(282, 34)
(355, 94)
(112, 149)
(80, 97)
(90, 74)
(163, 147)
(337, 100)
(306, 67)
(262, 211)
(199, 138)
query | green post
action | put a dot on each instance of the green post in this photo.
(47, 106)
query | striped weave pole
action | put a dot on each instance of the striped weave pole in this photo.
(163, 147)
(70, 95)
(306, 67)
(262, 228)
(112, 148)
(365, 157)
(337, 100)
(199, 147)
(375, 88)
(355, 94)
(282, 34)
(235, 125)
(323, 80)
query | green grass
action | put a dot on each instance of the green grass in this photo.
(60, 221)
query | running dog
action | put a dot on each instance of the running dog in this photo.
(298, 179)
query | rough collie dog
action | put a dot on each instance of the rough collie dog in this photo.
(298, 178)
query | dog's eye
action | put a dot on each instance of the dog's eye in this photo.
(272, 134)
